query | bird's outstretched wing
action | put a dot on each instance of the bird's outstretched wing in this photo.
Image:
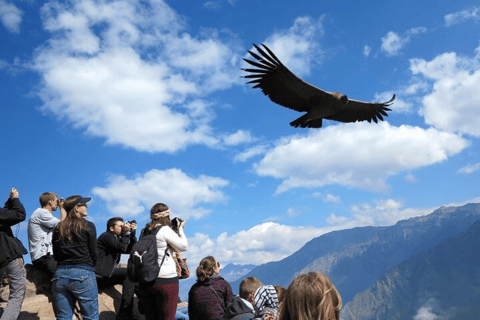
(279, 83)
(356, 110)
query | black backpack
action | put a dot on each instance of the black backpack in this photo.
(143, 261)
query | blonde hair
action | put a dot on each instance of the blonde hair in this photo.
(311, 296)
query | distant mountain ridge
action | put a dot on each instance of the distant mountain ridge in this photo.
(230, 273)
(441, 283)
(355, 259)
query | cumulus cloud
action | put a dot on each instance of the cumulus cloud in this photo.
(127, 72)
(359, 155)
(11, 16)
(260, 244)
(451, 104)
(462, 16)
(298, 47)
(469, 169)
(393, 43)
(130, 197)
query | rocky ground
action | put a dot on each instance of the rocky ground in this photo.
(37, 304)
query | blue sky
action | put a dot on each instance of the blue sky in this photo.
(134, 103)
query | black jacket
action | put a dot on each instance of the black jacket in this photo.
(11, 247)
(110, 249)
(82, 250)
(238, 310)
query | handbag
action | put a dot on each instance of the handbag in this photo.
(182, 268)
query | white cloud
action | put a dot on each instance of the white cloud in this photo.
(239, 137)
(426, 311)
(469, 169)
(260, 244)
(462, 16)
(298, 47)
(182, 193)
(366, 50)
(410, 178)
(250, 152)
(393, 43)
(360, 155)
(127, 72)
(327, 197)
(453, 101)
(10, 16)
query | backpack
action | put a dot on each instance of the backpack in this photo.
(142, 264)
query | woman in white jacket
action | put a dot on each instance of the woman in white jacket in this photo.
(159, 298)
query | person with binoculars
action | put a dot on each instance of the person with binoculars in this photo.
(41, 224)
(117, 240)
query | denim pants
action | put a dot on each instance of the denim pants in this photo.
(71, 284)
(15, 271)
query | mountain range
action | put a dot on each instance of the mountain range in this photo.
(356, 259)
(441, 283)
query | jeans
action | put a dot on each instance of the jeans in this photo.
(15, 271)
(71, 284)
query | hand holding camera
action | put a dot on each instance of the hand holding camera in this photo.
(177, 223)
(13, 193)
(130, 225)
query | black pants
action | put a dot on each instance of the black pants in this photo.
(119, 276)
(47, 264)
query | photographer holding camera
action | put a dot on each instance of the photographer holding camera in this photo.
(117, 240)
(11, 260)
(159, 297)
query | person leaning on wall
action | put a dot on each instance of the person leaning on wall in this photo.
(11, 252)
(117, 240)
(40, 230)
(75, 250)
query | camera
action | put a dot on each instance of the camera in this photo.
(176, 222)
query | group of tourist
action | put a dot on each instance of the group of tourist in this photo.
(78, 263)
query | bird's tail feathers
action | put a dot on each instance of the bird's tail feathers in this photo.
(305, 122)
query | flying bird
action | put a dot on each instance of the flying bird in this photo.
(286, 89)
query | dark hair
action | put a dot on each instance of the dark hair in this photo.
(206, 268)
(46, 197)
(72, 225)
(320, 299)
(248, 286)
(112, 222)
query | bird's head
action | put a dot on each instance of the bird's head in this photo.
(340, 97)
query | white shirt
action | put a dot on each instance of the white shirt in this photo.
(40, 230)
(166, 236)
